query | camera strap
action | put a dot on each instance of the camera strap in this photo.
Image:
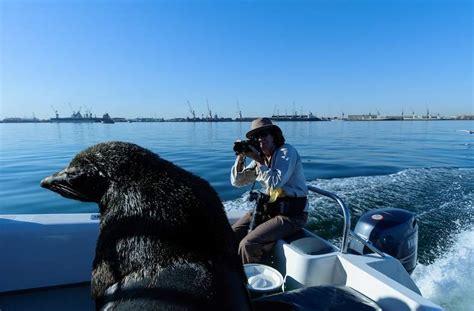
(253, 186)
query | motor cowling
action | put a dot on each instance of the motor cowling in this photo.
(393, 231)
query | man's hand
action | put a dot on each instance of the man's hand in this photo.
(254, 155)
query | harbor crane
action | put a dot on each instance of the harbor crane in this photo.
(88, 112)
(55, 112)
(239, 111)
(209, 110)
(193, 113)
(74, 113)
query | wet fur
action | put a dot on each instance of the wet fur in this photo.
(165, 241)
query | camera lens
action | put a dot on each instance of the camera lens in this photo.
(238, 147)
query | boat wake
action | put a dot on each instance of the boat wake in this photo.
(441, 199)
(448, 281)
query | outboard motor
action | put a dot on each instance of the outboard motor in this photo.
(393, 231)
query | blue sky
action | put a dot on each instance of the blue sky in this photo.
(149, 58)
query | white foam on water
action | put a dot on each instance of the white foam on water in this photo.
(449, 281)
(239, 204)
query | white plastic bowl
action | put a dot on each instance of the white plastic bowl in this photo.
(263, 279)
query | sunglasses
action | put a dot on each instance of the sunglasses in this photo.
(261, 134)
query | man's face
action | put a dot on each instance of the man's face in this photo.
(266, 142)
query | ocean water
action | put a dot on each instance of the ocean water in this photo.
(426, 167)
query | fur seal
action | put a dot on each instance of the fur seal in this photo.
(165, 242)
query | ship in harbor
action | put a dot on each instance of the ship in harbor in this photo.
(77, 117)
(297, 117)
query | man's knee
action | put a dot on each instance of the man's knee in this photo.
(247, 243)
(250, 251)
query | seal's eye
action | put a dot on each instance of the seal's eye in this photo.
(72, 170)
(94, 169)
(75, 175)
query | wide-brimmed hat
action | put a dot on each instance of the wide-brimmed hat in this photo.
(261, 124)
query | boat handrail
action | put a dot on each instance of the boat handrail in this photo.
(345, 212)
(347, 232)
(367, 243)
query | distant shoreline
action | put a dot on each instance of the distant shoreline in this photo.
(187, 120)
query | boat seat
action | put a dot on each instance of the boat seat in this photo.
(296, 236)
(308, 244)
(311, 246)
(334, 298)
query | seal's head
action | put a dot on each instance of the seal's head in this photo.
(90, 173)
(78, 182)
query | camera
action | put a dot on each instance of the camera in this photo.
(259, 197)
(243, 146)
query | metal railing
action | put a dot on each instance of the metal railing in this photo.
(345, 212)
(347, 223)
(367, 243)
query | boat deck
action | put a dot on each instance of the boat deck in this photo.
(52, 299)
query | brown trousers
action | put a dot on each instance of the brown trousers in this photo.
(253, 245)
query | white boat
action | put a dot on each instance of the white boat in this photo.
(46, 262)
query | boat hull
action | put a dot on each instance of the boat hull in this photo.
(47, 254)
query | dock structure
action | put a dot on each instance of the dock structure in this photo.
(77, 117)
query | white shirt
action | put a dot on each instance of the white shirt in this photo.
(285, 171)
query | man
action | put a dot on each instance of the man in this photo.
(278, 168)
